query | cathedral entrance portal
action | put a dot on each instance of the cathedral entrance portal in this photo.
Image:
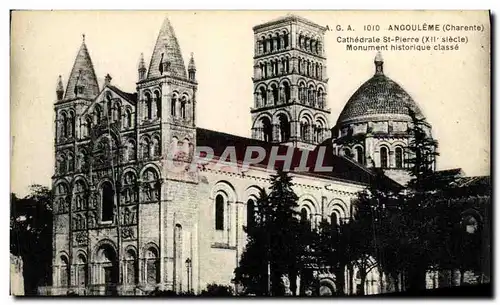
(107, 269)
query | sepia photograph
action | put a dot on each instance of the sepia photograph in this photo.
(262, 153)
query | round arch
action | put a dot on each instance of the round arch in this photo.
(149, 245)
(339, 206)
(152, 166)
(327, 287)
(260, 117)
(281, 112)
(100, 244)
(252, 192)
(307, 114)
(225, 187)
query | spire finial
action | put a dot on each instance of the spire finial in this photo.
(83, 37)
(379, 64)
(59, 88)
(191, 65)
(141, 67)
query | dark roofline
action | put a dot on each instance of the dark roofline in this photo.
(343, 169)
(131, 97)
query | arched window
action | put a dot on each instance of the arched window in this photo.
(130, 154)
(302, 93)
(284, 128)
(359, 155)
(129, 188)
(250, 213)
(72, 124)
(173, 105)
(304, 217)
(145, 150)
(149, 106)
(179, 264)
(131, 268)
(275, 92)
(88, 123)
(286, 89)
(384, 157)
(64, 271)
(158, 103)
(81, 270)
(267, 130)
(129, 119)
(151, 186)
(152, 268)
(305, 130)
(285, 40)
(97, 115)
(183, 108)
(311, 96)
(219, 212)
(117, 113)
(263, 96)
(71, 162)
(320, 99)
(64, 125)
(399, 157)
(61, 163)
(334, 219)
(108, 202)
(109, 107)
(81, 162)
(156, 147)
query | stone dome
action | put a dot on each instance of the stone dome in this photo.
(379, 98)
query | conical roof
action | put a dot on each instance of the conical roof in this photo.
(167, 50)
(82, 74)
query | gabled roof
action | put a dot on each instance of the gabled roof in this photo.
(166, 50)
(131, 97)
(82, 74)
(343, 169)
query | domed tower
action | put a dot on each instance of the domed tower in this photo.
(372, 129)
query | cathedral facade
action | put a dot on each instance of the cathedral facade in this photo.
(130, 215)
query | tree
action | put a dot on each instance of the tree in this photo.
(252, 272)
(275, 241)
(419, 215)
(215, 290)
(31, 236)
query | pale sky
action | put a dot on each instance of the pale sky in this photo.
(451, 88)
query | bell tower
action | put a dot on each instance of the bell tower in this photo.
(290, 83)
(166, 103)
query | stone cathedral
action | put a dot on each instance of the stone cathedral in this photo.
(127, 220)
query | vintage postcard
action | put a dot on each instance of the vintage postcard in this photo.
(250, 153)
